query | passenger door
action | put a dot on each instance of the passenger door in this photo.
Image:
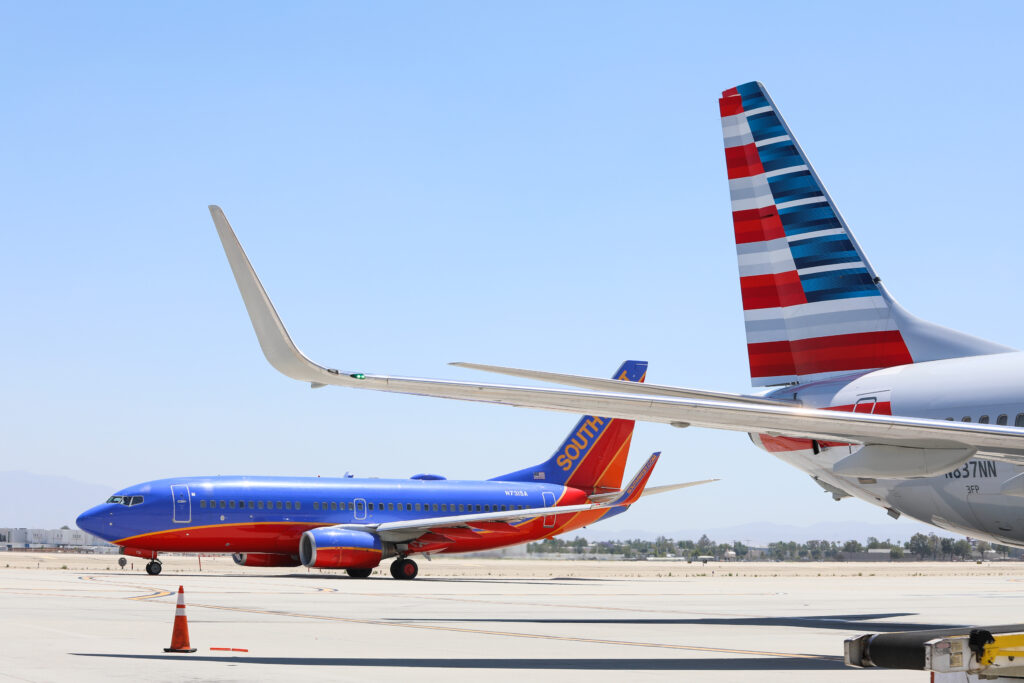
(548, 499)
(182, 504)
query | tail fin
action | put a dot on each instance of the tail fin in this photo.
(814, 307)
(593, 456)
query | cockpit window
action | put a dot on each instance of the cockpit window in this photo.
(125, 500)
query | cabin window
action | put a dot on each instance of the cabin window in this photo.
(478, 508)
(391, 507)
(223, 505)
(983, 420)
(1019, 420)
(287, 505)
(487, 508)
(278, 505)
(259, 504)
(1001, 420)
(316, 505)
(444, 508)
(950, 419)
(966, 419)
(417, 507)
(408, 507)
(251, 505)
(298, 505)
(202, 503)
(334, 506)
(462, 508)
(434, 507)
(504, 508)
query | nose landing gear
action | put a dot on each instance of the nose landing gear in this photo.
(405, 569)
(153, 567)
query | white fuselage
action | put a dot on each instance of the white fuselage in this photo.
(968, 500)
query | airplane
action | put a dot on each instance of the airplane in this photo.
(869, 400)
(354, 524)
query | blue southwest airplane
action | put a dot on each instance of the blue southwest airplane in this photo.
(354, 524)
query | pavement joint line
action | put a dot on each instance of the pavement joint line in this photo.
(594, 607)
(514, 634)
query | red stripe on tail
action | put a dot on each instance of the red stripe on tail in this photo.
(839, 353)
(772, 291)
(757, 225)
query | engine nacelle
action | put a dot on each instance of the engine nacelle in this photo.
(265, 560)
(334, 548)
(139, 552)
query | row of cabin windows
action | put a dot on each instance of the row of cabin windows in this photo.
(335, 506)
(1000, 420)
(420, 507)
(251, 504)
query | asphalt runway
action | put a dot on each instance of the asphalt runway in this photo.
(71, 617)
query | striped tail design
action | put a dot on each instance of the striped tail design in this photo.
(813, 306)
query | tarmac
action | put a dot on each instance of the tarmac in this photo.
(82, 618)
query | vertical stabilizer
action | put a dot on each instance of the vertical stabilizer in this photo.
(593, 456)
(813, 306)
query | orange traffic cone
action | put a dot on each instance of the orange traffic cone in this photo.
(179, 636)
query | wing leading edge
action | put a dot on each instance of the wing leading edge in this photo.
(988, 440)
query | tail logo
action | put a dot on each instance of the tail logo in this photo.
(578, 444)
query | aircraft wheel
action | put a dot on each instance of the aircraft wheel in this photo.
(153, 568)
(404, 569)
(359, 573)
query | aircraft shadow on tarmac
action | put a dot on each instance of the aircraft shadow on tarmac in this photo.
(842, 622)
(343, 577)
(821, 663)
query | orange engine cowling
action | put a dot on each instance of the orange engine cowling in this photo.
(340, 549)
(139, 552)
(265, 560)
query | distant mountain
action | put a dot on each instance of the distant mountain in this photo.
(762, 533)
(44, 501)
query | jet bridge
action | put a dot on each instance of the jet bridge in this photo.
(967, 655)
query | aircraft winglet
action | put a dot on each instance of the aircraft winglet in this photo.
(635, 488)
(277, 345)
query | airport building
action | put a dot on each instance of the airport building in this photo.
(20, 538)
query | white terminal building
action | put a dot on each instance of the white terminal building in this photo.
(20, 538)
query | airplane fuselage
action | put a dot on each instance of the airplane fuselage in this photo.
(234, 514)
(976, 389)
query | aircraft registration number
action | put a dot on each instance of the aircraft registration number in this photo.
(973, 468)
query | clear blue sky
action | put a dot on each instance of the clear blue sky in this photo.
(534, 184)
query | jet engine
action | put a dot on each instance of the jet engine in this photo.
(334, 548)
(265, 560)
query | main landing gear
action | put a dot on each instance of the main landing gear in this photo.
(405, 569)
(153, 567)
(359, 573)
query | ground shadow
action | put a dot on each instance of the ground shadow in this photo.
(842, 622)
(822, 663)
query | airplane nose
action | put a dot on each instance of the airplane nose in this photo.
(88, 521)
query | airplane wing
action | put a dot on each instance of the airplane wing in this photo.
(623, 387)
(413, 528)
(906, 437)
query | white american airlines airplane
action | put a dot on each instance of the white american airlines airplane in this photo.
(869, 400)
